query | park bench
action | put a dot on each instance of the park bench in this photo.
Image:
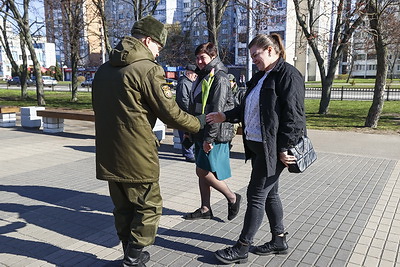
(8, 116)
(53, 120)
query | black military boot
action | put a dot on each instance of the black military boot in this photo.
(277, 245)
(236, 254)
(134, 256)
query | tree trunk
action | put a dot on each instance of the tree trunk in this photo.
(375, 110)
(74, 68)
(24, 71)
(37, 70)
(211, 22)
(325, 95)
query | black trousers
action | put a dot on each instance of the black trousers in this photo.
(262, 196)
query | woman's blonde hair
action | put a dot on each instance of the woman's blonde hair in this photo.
(264, 41)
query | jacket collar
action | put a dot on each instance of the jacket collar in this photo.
(253, 81)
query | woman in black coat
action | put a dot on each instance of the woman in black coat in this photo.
(273, 120)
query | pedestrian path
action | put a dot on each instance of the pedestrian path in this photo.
(344, 211)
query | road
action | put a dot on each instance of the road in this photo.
(311, 93)
(59, 87)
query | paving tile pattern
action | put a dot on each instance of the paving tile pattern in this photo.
(344, 211)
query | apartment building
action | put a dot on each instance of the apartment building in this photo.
(45, 53)
(239, 21)
(60, 16)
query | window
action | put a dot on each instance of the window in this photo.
(243, 22)
(242, 37)
(186, 5)
(360, 57)
(242, 52)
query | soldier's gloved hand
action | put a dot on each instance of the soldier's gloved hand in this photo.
(202, 119)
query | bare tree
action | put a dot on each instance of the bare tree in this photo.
(73, 24)
(143, 8)
(176, 51)
(377, 12)
(392, 33)
(23, 24)
(104, 34)
(4, 38)
(214, 12)
(344, 23)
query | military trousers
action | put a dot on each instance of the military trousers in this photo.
(137, 211)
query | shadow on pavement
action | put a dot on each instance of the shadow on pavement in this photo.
(75, 214)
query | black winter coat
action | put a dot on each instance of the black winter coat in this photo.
(282, 111)
(219, 99)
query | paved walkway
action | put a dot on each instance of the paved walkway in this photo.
(344, 211)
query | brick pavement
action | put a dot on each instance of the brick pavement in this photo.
(344, 211)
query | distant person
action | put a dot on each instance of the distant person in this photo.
(242, 81)
(211, 92)
(272, 113)
(182, 97)
(129, 93)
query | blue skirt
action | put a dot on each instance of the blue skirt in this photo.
(216, 161)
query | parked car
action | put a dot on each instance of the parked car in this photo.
(87, 82)
(49, 81)
(171, 82)
(16, 81)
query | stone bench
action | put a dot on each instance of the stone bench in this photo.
(8, 116)
(53, 120)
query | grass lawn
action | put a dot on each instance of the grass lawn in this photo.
(351, 115)
(343, 115)
(55, 99)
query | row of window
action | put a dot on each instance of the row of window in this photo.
(373, 56)
(369, 67)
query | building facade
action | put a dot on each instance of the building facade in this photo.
(45, 53)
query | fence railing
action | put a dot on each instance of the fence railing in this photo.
(342, 93)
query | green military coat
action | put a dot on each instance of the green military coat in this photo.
(129, 94)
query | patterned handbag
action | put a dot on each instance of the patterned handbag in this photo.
(304, 153)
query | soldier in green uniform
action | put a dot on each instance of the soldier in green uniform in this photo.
(129, 94)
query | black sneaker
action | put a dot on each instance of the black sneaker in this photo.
(197, 214)
(233, 208)
(192, 160)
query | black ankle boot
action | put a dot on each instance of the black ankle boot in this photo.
(236, 254)
(277, 245)
(134, 256)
